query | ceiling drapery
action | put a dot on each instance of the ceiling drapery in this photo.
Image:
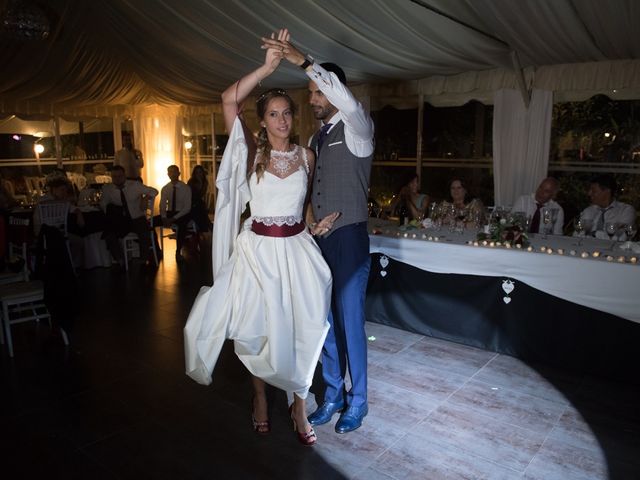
(101, 56)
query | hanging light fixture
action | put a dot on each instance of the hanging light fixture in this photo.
(24, 21)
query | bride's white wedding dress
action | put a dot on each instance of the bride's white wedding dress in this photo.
(271, 297)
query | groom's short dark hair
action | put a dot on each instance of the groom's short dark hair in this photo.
(332, 67)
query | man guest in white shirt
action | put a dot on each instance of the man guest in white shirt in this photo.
(175, 206)
(130, 159)
(122, 204)
(605, 208)
(533, 204)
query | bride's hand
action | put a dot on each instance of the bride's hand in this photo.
(283, 44)
(273, 56)
(325, 225)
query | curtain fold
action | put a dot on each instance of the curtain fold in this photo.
(521, 139)
(157, 133)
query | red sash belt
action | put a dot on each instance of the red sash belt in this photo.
(277, 230)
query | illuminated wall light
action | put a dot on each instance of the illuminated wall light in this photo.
(38, 148)
(607, 134)
(188, 145)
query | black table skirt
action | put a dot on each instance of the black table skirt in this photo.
(471, 310)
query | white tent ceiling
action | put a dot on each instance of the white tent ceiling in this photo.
(124, 52)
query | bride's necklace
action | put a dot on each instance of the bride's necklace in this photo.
(282, 161)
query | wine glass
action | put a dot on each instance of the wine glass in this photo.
(451, 217)
(461, 215)
(630, 231)
(611, 229)
(579, 228)
(547, 218)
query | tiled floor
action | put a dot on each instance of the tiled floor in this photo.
(117, 404)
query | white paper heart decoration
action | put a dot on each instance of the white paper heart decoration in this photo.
(506, 300)
(384, 261)
(383, 273)
(507, 286)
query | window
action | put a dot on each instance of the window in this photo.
(599, 135)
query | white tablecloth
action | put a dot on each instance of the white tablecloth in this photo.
(610, 287)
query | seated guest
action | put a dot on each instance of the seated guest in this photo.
(458, 204)
(199, 189)
(605, 208)
(533, 203)
(175, 206)
(59, 189)
(409, 198)
(122, 201)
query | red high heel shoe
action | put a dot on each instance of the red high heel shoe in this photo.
(308, 439)
(261, 428)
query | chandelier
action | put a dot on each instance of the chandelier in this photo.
(24, 21)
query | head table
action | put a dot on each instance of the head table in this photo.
(560, 299)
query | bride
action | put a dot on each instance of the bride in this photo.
(272, 288)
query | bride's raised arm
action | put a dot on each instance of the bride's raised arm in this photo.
(237, 92)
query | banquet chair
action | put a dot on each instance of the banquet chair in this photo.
(192, 228)
(102, 179)
(35, 186)
(130, 245)
(23, 302)
(9, 187)
(55, 214)
(78, 181)
(18, 238)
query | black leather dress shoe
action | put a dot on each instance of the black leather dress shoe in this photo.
(351, 419)
(324, 412)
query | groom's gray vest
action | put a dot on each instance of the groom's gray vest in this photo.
(341, 180)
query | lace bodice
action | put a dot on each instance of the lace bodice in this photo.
(279, 199)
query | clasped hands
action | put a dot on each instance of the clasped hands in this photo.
(280, 46)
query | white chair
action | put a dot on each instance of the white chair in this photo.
(103, 179)
(35, 186)
(130, 244)
(55, 214)
(20, 198)
(17, 241)
(79, 181)
(191, 227)
(23, 302)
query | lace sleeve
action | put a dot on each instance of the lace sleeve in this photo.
(305, 159)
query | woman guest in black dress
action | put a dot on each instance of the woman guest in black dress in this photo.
(199, 188)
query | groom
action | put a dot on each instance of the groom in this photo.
(344, 152)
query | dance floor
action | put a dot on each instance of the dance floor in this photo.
(117, 405)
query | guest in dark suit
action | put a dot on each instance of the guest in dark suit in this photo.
(199, 190)
(175, 206)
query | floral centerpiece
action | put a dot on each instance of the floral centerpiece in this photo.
(506, 231)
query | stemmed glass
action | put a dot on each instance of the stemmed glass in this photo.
(547, 218)
(611, 229)
(579, 228)
(461, 215)
(451, 216)
(630, 231)
(436, 215)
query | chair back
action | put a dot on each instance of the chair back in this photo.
(103, 179)
(35, 185)
(79, 181)
(19, 236)
(54, 214)
(148, 207)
